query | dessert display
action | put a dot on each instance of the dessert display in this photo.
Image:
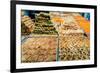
(54, 36)
(73, 41)
(39, 49)
(74, 47)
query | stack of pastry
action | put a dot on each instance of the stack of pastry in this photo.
(27, 25)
